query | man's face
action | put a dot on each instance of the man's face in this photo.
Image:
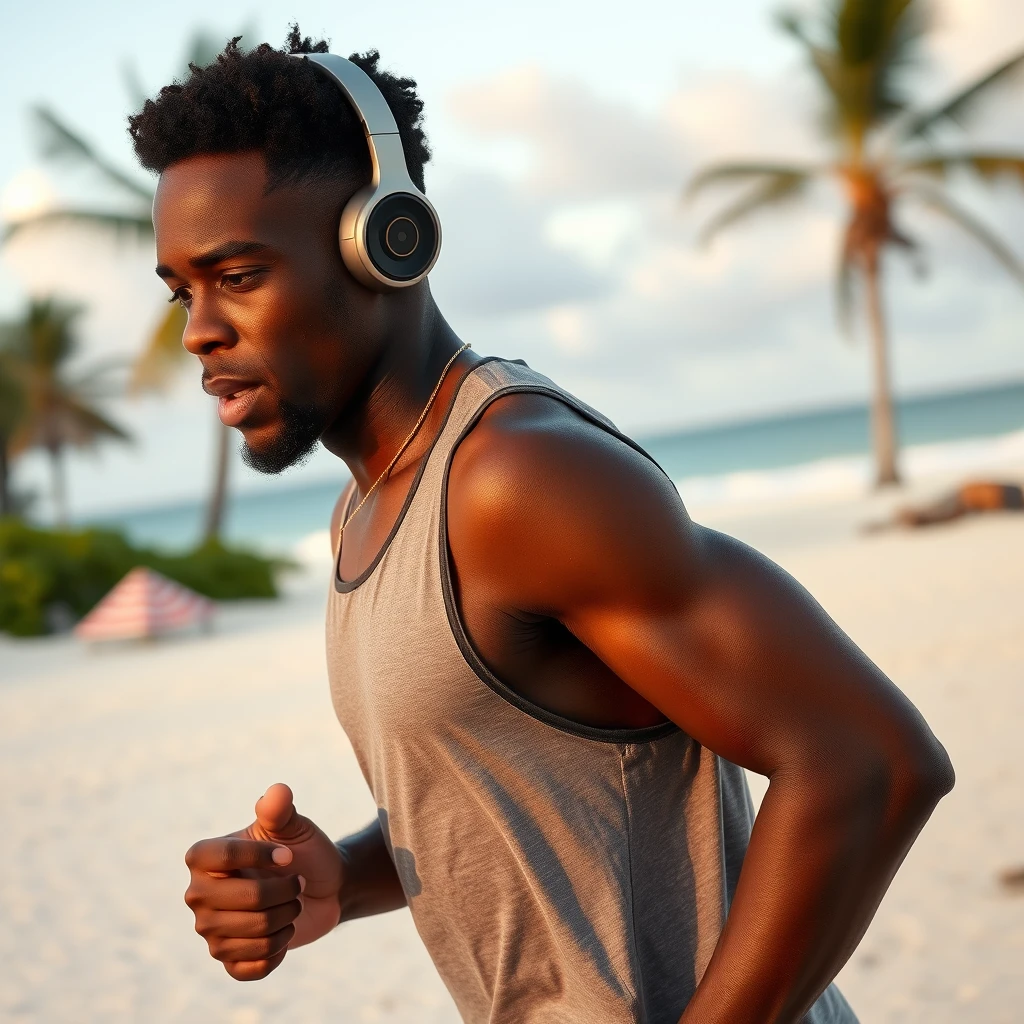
(284, 333)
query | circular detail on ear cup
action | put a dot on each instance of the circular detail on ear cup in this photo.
(402, 236)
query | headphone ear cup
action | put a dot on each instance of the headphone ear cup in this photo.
(389, 241)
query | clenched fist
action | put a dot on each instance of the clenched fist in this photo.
(268, 888)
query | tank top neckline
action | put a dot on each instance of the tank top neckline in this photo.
(347, 586)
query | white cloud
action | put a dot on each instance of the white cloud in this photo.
(581, 146)
(496, 258)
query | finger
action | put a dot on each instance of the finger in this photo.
(275, 809)
(231, 853)
(265, 947)
(245, 924)
(241, 893)
(254, 970)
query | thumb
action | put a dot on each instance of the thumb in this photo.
(275, 812)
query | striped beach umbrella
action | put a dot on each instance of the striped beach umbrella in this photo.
(144, 604)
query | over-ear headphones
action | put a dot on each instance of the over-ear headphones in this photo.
(390, 234)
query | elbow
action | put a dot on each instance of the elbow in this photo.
(897, 780)
(933, 772)
(918, 775)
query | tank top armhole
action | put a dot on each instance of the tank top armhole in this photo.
(469, 652)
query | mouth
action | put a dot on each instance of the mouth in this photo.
(234, 407)
(235, 397)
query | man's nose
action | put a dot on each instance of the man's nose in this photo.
(206, 331)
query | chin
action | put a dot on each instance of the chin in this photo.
(273, 450)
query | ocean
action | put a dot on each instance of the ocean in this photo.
(820, 452)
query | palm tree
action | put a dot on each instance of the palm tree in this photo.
(163, 354)
(12, 411)
(57, 408)
(886, 152)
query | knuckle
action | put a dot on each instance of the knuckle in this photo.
(248, 970)
(195, 852)
(193, 899)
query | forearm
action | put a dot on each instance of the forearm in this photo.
(370, 884)
(821, 856)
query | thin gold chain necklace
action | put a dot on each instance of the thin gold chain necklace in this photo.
(405, 444)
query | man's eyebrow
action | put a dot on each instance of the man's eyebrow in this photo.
(226, 251)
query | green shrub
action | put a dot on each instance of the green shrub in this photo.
(41, 570)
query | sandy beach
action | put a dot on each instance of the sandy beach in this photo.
(114, 761)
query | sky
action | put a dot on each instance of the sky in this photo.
(563, 133)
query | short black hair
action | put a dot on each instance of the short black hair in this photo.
(261, 99)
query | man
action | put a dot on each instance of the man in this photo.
(550, 674)
(967, 500)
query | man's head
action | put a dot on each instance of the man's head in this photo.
(257, 155)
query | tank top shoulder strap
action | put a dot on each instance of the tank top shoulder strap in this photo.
(495, 378)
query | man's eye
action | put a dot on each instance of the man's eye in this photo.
(242, 281)
(182, 296)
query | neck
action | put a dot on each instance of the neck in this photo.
(393, 395)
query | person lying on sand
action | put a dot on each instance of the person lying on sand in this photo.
(552, 677)
(970, 498)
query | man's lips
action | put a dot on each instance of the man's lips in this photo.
(236, 397)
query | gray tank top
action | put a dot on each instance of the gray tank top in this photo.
(557, 873)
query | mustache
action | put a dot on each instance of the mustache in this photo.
(247, 372)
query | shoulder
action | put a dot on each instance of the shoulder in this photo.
(536, 478)
(526, 440)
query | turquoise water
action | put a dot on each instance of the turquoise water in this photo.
(280, 516)
(844, 430)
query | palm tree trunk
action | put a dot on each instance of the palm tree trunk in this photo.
(218, 498)
(6, 508)
(60, 487)
(883, 420)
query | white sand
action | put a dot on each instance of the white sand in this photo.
(113, 762)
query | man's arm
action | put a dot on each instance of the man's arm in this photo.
(734, 651)
(370, 883)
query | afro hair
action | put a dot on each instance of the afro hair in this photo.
(261, 99)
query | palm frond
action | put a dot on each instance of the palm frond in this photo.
(860, 51)
(114, 223)
(60, 142)
(133, 84)
(95, 383)
(85, 425)
(727, 174)
(987, 165)
(872, 31)
(958, 107)
(203, 48)
(163, 352)
(823, 60)
(939, 202)
(777, 189)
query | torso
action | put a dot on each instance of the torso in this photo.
(556, 869)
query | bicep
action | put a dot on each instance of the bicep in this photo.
(738, 654)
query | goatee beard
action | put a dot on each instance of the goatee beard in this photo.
(300, 434)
